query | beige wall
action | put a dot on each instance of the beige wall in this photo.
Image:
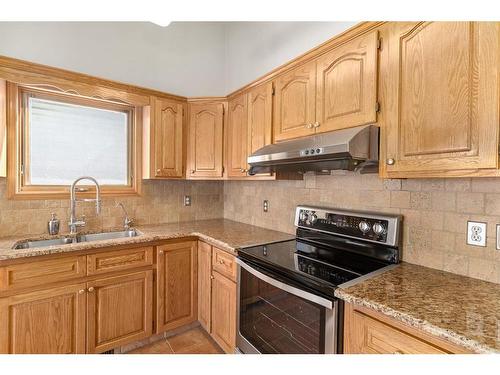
(162, 202)
(435, 213)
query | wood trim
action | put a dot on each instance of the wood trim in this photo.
(22, 71)
(339, 39)
(119, 260)
(15, 187)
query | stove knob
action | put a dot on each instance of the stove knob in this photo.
(378, 229)
(313, 218)
(364, 227)
(303, 216)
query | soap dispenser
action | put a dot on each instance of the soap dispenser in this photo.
(53, 225)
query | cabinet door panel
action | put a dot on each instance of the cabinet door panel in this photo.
(294, 113)
(260, 103)
(442, 96)
(119, 310)
(177, 285)
(224, 312)
(50, 321)
(204, 284)
(167, 127)
(347, 85)
(205, 140)
(237, 137)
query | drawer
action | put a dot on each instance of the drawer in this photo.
(40, 272)
(119, 260)
(224, 263)
(378, 337)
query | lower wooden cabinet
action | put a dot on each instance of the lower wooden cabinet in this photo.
(46, 321)
(205, 285)
(369, 332)
(176, 285)
(119, 310)
(224, 312)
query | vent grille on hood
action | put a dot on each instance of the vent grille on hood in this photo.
(349, 149)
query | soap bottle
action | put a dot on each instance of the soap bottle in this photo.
(53, 225)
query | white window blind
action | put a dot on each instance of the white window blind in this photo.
(66, 141)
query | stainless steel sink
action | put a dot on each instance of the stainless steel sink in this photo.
(77, 239)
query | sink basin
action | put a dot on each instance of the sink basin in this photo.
(79, 238)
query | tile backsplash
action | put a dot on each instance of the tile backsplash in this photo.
(161, 202)
(435, 212)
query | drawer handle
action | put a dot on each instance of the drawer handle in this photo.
(222, 261)
(91, 289)
(316, 124)
(81, 291)
(398, 352)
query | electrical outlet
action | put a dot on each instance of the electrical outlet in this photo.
(498, 236)
(187, 200)
(476, 233)
(265, 205)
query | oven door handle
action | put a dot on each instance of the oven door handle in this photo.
(287, 288)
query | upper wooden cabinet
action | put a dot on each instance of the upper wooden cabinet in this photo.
(260, 106)
(295, 103)
(236, 134)
(163, 139)
(347, 85)
(440, 86)
(205, 140)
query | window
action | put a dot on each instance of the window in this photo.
(62, 137)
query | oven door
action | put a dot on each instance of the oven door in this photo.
(279, 318)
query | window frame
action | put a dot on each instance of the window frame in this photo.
(17, 144)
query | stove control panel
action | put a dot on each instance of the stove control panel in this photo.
(323, 271)
(366, 226)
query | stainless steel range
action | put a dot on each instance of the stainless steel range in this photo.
(286, 300)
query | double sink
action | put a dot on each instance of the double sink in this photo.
(77, 239)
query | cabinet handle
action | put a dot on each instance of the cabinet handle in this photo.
(158, 170)
(161, 251)
(309, 126)
(81, 291)
(398, 352)
(242, 170)
(192, 171)
(221, 261)
(316, 124)
(91, 289)
(390, 161)
(211, 277)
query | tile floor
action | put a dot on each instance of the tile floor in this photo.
(194, 341)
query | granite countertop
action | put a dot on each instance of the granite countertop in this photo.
(227, 235)
(459, 309)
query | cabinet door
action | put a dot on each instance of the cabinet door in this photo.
(224, 312)
(205, 140)
(50, 321)
(295, 106)
(237, 137)
(204, 284)
(119, 310)
(167, 138)
(441, 96)
(177, 286)
(347, 85)
(260, 105)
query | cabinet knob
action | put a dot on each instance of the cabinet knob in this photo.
(161, 251)
(309, 126)
(158, 170)
(221, 261)
(242, 170)
(398, 352)
(316, 124)
(211, 277)
(91, 289)
(192, 171)
(390, 161)
(81, 291)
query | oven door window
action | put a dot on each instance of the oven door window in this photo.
(275, 321)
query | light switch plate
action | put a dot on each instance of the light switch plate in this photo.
(476, 233)
(498, 236)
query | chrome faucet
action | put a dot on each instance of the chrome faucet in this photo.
(74, 223)
(127, 221)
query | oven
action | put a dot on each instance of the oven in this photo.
(278, 315)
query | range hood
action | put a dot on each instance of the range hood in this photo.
(348, 149)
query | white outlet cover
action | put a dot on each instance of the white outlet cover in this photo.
(476, 233)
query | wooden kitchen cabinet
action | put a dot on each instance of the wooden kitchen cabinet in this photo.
(163, 153)
(223, 328)
(346, 78)
(236, 137)
(260, 106)
(205, 285)
(119, 310)
(295, 103)
(205, 140)
(45, 321)
(440, 96)
(369, 332)
(176, 285)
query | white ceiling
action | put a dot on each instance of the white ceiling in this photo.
(185, 58)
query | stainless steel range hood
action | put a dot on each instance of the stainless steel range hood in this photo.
(349, 149)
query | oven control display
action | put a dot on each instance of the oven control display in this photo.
(354, 226)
